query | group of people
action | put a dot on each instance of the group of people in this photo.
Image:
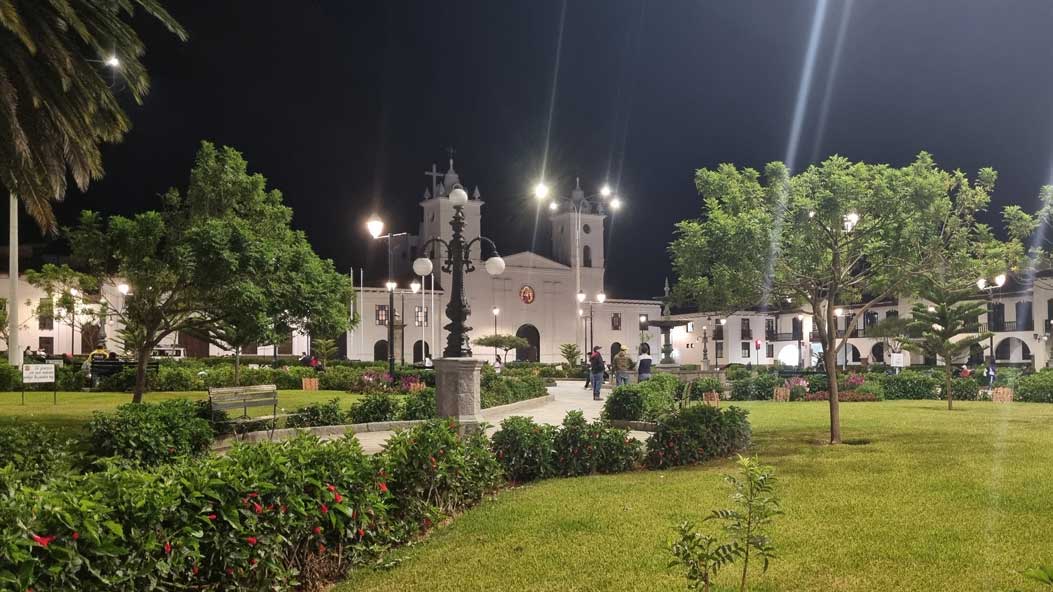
(990, 373)
(621, 366)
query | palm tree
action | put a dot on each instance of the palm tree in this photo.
(57, 102)
(936, 325)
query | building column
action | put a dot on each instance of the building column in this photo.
(14, 345)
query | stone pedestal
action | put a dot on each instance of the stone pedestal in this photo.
(457, 393)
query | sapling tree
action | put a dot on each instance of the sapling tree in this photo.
(571, 353)
(702, 556)
(505, 343)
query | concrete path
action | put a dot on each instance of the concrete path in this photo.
(567, 396)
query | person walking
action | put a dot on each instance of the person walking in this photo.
(992, 373)
(596, 368)
(643, 366)
(497, 364)
(621, 366)
(588, 373)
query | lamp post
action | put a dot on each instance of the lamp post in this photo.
(376, 226)
(838, 313)
(981, 283)
(590, 336)
(800, 341)
(496, 312)
(457, 263)
(705, 347)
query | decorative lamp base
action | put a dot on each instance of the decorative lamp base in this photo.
(457, 391)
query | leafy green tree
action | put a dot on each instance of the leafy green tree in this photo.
(503, 342)
(57, 95)
(325, 348)
(571, 353)
(940, 325)
(72, 298)
(701, 555)
(263, 279)
(836, 233)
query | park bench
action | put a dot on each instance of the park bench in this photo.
(243, 397)
(103, 368)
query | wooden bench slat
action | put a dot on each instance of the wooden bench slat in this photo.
(233, 396)
(233, 390)
(226, 406)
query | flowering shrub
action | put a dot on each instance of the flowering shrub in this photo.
(524, 449)
(150, 433)
(910, 384)
(696, 434)
(583, 448)
(430, 470)
(843, 396)
(854, 380)
(254, 519)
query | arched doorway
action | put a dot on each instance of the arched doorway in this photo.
(586, 256)
(380, 350)
(531, 353)
(421, 350)
(1013, 350)
(852, 352)
(615, 348)
(878, 353)
(976, 355)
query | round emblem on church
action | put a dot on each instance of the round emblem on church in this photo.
(526, 294)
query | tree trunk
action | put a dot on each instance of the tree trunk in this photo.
(142, 357)
(948, 380)
(237, 365)
(830, 357)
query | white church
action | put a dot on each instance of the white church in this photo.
(549, 301)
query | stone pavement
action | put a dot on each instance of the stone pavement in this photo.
(567, 396)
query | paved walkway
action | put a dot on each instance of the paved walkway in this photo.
(568, 395)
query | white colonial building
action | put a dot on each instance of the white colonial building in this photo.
(1019, 315)
(537, 296)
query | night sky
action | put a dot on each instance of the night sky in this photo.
(342, 105)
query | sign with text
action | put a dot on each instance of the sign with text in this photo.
(898, 360)
(38, 373)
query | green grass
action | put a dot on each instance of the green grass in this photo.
(74, 409)
(937, 501)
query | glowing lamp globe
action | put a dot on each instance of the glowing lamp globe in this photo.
(415, 286)
(123, 289)
(375, 226)
(422, 266)
(601, 297)
(1000, 280)
(458, 197)
(495, 266)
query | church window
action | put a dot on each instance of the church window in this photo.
(769, 350)
(690, 327)
(586, 256)
(745, 349)
(720, 349)
(616, 321)
(586, 229)
(422, 316)
(382, 314)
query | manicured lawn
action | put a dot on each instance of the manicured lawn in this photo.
(937, 501)
(75, 408)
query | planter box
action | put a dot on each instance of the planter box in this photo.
(1002, 394)
(781, 394)
(711, 398)
(309, 384)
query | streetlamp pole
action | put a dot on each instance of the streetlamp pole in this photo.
(981, 283)
(800, 341)
(376, 226)
(496, 312)
(705, 347)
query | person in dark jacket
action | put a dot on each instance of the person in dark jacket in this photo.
(596, 369)
(643, 367)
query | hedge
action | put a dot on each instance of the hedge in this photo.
(1035, 388)
(696, 434)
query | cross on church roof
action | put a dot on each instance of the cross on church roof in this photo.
(434, 174)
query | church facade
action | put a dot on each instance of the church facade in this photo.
(538, 297)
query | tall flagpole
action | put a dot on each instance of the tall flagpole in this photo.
(14, 348)
(431, 310)
(349, 337)
(362, 308)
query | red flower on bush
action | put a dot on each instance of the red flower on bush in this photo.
(383, 487)
(195, 570)
(257, 508)
(252, 562)
(44, 540)
(284, 509)
(361, 533)
(212, 517)
(325, 509)
(251, 541)
(230, 571)
(330, 487)
(321, 549)
(253, 494)
(168, 548)
(338, 498)
(318, 530)
(76, 535)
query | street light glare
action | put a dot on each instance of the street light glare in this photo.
(541, 191)
(375, 226)
(601, 297)
(605, 191)
(981, 283)
(616, 204)
(553, 206)
(1000, 280)
(113, 62)
(415, 286)
(391, 286)
(123, 289)
(581, 296)
(496, 311)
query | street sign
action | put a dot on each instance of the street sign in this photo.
(38, 373)
(898, 360)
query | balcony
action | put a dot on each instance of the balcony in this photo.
(1008, 326)
(772, 336)
(745, 333)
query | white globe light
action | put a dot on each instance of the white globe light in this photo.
(541, 191)
(839, 312)
(1000, 279)
(375, 226)
(553, 206)
(415, 286)
(391, 286)
(601, 297)
(458, 197)
(123, 289)
(422, 266)
(605, 191)
(616, 204)
(581, 296)
(981, 283)
(495, 266)
(113, 62)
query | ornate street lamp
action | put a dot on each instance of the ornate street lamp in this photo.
(457, 263)
(982, 283)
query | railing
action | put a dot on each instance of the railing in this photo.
(1007, 326)
(783, 336)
